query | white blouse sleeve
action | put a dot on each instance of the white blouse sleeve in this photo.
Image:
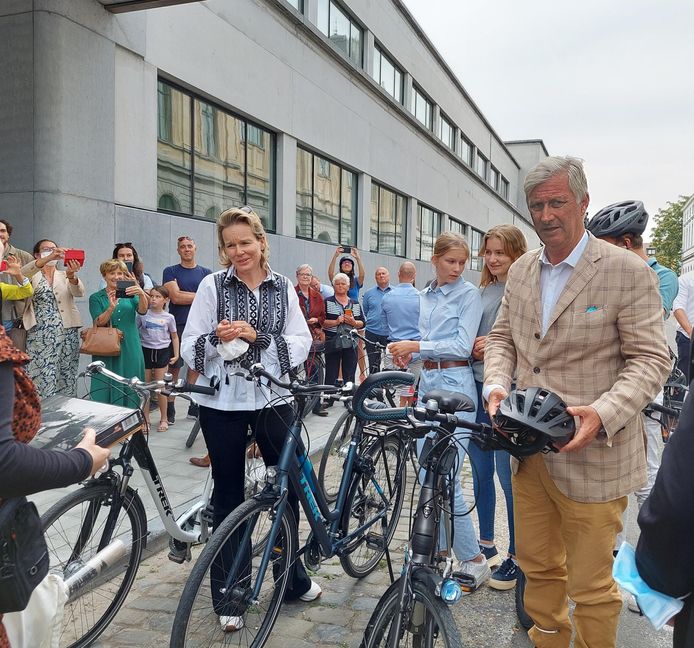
(199, 342)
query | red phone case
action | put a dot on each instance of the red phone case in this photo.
(73, 255)
(3, 266)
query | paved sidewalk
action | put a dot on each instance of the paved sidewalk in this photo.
(486, 618)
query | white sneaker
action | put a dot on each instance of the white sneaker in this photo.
(478, 571)
(231, 623)
(313, 593)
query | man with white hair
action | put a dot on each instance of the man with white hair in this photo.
(581, 318)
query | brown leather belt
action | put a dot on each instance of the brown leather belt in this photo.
(445, 364)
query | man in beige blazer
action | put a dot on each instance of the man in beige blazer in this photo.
(584, 319)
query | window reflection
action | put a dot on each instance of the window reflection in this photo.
(174, 147)
(234, 160)
(326, 198)
(428, 228)
(388, 221)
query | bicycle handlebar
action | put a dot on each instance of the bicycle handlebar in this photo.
(258, 371)
(156, 385)
(377, 381)
(663, 410)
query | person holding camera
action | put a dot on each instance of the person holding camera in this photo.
(117, 305)
(52, 320)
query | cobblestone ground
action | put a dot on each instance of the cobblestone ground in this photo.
(338, 618)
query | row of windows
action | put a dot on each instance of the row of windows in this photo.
(344, 32)
(209, 160)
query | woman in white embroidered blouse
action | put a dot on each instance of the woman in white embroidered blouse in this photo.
(246, 301)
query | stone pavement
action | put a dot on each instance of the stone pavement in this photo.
(337, 619)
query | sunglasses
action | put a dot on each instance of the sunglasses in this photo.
(185, 238)
(122, 245)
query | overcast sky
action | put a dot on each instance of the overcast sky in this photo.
(610, 82)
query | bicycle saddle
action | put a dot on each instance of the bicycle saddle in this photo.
(450, 402)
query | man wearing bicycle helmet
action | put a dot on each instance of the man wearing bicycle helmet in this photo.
(582, 319)
(622, 224)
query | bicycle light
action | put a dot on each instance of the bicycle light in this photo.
(450, 591)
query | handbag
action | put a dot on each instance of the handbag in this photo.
(341, 340)
(23, 553)
(18, 335)
(101, 341)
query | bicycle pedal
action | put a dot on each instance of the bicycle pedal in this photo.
(207, 514)
(467, 583)
(179, 552)
(375, 541)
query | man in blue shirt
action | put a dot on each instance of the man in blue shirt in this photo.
(182, 281)
(400, 317)
(371, 307)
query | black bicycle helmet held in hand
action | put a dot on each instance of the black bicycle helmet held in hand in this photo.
(628, 217)
(532, 419)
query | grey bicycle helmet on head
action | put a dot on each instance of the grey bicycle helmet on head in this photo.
(628, 217)
(533, 419)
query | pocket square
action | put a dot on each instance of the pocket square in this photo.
(592, 309)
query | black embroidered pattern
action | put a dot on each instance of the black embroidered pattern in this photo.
(199, 359)
(268, 314)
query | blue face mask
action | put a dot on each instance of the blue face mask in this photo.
(656, 607)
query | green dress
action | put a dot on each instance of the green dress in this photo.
(130, 362)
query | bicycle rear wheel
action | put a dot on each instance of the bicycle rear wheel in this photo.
(384, 476)
(333, 456)
(194, 431)
(311, 372)
(74, 528)
(205, 596)
(427, 620)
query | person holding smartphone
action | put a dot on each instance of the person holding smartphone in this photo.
(127, 253)
(117, 306)
(52, 320)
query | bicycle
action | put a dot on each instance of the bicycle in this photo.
(106, 517)
(415, 609)
(337, 445)
(228, 579)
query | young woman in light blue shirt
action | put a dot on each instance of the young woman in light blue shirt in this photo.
(449, 317)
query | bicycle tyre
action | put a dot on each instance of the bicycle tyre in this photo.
(197, 621)
(194, 431)
(523, 617)
(317, 378)
(82, 621)
(436, 630)
(333, 456)
(364, 501)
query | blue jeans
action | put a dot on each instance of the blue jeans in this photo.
(483, 482)
(465, 545)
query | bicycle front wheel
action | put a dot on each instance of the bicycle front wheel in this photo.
(221, 582)
(333, 457)
(380, 488)
(427, 622)
(75, 528)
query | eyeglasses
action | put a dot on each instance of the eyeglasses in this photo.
(185, 238)
(304, 274)
(556, 204)
(122, 245)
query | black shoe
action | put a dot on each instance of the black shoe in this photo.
(321, 412)
(192, 411)
(171, 413)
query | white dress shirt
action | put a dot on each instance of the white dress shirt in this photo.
(685, 298)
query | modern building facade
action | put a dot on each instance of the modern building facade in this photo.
(688, 236)
(338, 122)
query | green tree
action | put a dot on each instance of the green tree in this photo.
(667, 234)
